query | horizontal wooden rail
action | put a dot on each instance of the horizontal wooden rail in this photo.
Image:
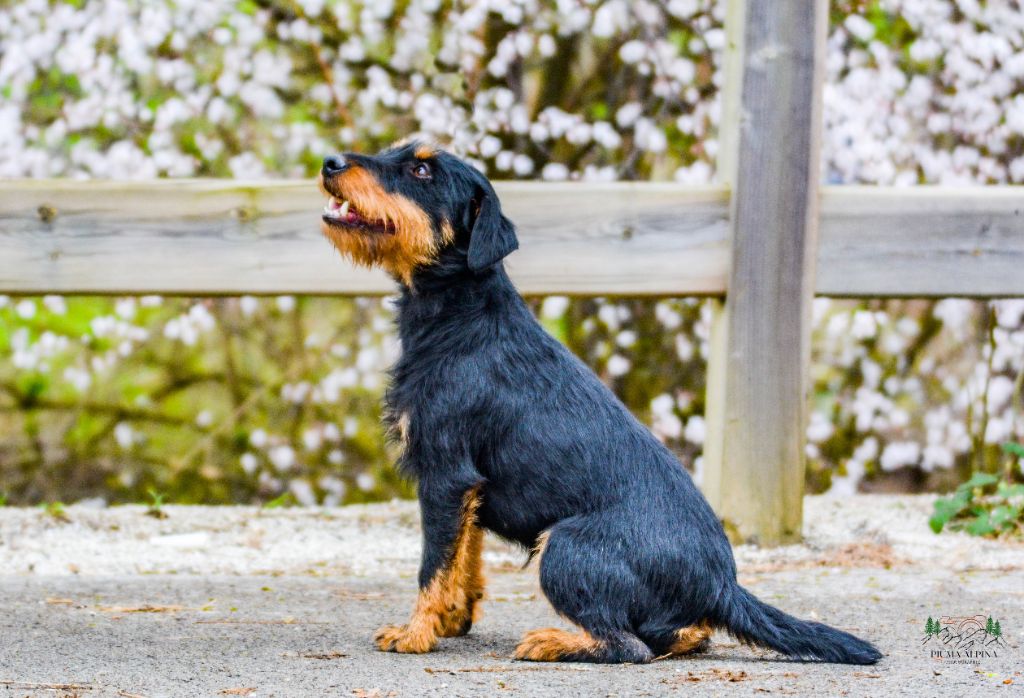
(201, 237)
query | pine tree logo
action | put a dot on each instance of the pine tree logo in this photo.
(994, 633)
(978, 636)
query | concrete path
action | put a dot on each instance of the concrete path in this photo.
(237, 601)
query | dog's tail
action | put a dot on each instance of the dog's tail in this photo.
(754, 622)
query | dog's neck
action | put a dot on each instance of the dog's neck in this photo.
(431, 293)
(453, 296)
(447, 272)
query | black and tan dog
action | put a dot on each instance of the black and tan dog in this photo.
(505, 430)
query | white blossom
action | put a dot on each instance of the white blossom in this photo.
(249, 463)
(366, 482)
(618, 365)
(124, 435)
(899, 454)
(554, 307)
(696, 430)
(282, 457)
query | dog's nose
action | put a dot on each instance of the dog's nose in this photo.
(334, 164)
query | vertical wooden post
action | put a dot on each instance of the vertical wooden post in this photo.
(728, 150)
(754, 473)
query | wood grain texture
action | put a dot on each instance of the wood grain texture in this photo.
(725, 173)
(924, 241)
(222, 237)
(774, 225)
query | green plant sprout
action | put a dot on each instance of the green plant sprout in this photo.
(985, 505)
(156, 505)
(284, 500)
(56, 511)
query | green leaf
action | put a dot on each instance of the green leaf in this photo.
(285, 500)
(33, 387)
(1013, 449)
(1007, 491)
(557, 327)
(1003, 515)
(599, 111)
(946, 510)
(978, 480)
(981, 526)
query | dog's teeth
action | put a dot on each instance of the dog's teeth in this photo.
(335, 208)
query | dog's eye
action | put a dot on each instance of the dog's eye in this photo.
(421, 171)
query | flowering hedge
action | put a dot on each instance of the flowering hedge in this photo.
(236, 399)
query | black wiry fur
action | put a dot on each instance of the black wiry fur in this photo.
(634, 552)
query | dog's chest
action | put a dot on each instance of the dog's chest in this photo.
(420, 397)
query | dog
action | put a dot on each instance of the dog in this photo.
(505, 430)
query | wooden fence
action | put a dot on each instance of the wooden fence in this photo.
(218, 237)
(765, 239)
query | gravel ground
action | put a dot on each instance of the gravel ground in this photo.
(238, 601)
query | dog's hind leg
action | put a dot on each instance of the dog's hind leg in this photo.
(554, 645)
(591, 590)
(678, 643)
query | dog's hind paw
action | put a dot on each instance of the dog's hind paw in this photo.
(399, 638)
(693, 639)
(553, 645)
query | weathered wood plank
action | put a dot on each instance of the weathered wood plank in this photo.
(199, 237)
(223, 237)
(922, 242)
(774, 225)
(718, 343)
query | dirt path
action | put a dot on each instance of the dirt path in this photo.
(217, 601)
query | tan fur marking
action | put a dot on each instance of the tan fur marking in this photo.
(425, 151)
(541, 545)
(447, 232)
(450, 603)
(552, 645)
(402, 427)
(411, 242)
(690, 639)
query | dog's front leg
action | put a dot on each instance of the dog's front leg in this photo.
(451, 577)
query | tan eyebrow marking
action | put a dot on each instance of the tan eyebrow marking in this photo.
(425, 150)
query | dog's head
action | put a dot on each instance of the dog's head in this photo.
(410, 205)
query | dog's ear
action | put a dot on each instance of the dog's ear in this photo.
(493, 237)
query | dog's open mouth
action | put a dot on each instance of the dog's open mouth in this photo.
(342, 213)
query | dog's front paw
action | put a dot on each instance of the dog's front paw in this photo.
(399, 638)
(456, 624)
